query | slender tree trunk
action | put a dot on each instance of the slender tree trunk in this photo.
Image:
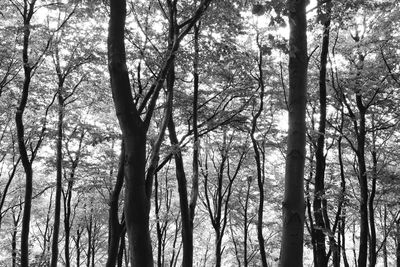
(59, 158)
(121, 249)
(78, 247)
(364, 231)
(67, 226)
(16, 218)
(28, 11)
(319, 190)
(196, 139)
(89, 229)
(342, 222)
(397, 242)
(385, 252)
(187, 237)
(293, 203)
(257, 157)
(246, 225)
(11, 176)
(372, 238)
(114, 226)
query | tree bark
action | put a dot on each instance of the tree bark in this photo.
(257, 157)
(134, 129)
(372, 238)
(114, 226)
(364, 231)
(27, 16)
(134, 137)
(59, 158)
(397, 242)
(293, 203)
(319, 189)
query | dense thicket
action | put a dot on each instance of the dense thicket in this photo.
(199, 133)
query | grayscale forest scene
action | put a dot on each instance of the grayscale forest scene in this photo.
(197, 133)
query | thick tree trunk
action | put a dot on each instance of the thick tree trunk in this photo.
(134, 128)
(218, 248)
(319, 189)
(293, 203)
(137, 203)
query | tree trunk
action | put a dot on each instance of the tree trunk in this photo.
(78, 247)
(364, 232)
(196, 140)
(385, 251)
(27, 16)
(134, 129)
(121, 249)
(246, 225)
(59, 158)
(319, 189)
(293, 203)
(372, 239)
(67, 224)
(187, 233)
(134, 137)
(114, 226)
(218, 249)
(14, 234)
(89, 229)
(257, 157)
(397, 242)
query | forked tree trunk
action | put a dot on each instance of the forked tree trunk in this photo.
(293, 203)
(134, 138)
(138, 185)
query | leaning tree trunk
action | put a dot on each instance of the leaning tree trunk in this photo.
(293, 203)
(115, 228)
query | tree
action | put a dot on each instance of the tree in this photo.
(319, 190)
(138, 184)
(293, 203)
